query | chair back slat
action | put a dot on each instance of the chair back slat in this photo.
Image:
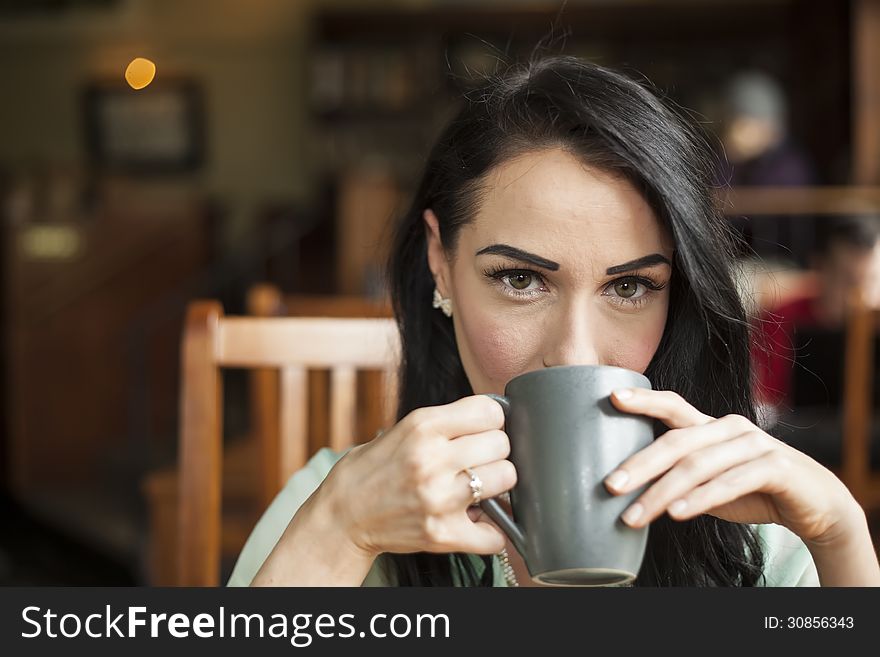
(858, 397)
(343, 382)
(293, 451)
(264, 390)
(307, 341)
(389, 396)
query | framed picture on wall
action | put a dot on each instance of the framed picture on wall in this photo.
(158, 129)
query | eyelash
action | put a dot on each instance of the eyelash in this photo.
(498, 274)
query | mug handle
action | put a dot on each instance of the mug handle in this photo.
(491, 506)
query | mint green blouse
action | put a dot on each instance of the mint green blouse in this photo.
(787, 560)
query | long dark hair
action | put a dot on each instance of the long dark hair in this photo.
(617, 125)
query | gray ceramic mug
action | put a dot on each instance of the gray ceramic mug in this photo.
(565, 438)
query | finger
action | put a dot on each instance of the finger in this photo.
(464, 416)
(481, 537)
(496, 478)
(692, 471)
(765, 475)
(671, 447)
(475, 513)
(669, 407)
(478, 449)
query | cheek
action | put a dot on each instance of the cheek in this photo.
(638, 344)
(636, 357)
(494, 349)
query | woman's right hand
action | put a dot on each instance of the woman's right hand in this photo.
(407, 490)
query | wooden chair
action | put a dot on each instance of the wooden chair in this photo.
(250, 480)
(212, 342)
(265, 300)
(858, 406)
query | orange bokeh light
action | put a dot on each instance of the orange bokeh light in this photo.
(140, 72)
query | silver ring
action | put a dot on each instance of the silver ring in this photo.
(476, 485)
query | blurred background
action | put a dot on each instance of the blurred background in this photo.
(266, 153)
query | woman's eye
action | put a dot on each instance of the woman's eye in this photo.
(519, 280)
(632, 290)
(626, 288)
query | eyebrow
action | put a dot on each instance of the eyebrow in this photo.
(644, 261)
(519, 254)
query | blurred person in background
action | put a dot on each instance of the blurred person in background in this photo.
(759, 150)
(846, 258)
(756, 139)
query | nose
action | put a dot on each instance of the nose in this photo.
(571, 339)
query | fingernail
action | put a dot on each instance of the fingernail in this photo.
(677, 507)
(617, 478)
(623, 393)
(633, 513)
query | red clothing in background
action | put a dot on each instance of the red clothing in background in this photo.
(773, 348)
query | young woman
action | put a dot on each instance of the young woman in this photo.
(565, 217)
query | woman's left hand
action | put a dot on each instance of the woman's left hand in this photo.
(729, 468)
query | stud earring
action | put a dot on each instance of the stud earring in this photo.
(444, 305)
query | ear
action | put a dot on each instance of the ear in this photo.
(437, 261)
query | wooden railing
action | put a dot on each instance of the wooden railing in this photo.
(826, 200)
